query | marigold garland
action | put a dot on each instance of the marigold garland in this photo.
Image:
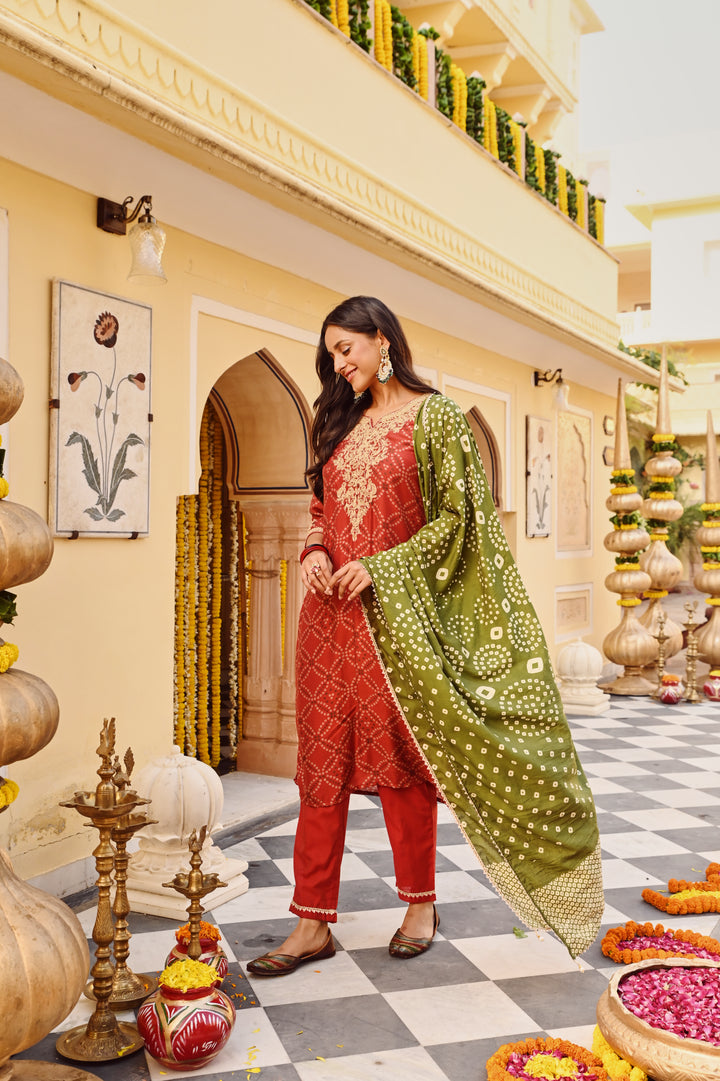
(216, 443)
(8, 792)
(190, 609)
(562, 189)
(490, 138)
(343, 17)
(540, 166)
(619, 1069)
(423, 66)
(203, 594)
(686, 897)
(179, 672)
(9, 653)
(612, 944)
(560, 1054)
(234, 668)
(333, 12)
(713, 869)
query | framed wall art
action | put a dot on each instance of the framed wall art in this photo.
(538, 475)
(100, 414)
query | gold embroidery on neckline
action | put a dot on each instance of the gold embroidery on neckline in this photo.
(363, 449)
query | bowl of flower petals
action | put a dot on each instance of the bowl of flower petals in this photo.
(664, 1016)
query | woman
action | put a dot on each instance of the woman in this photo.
(422, 671)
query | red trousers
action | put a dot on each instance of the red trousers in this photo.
(411, 821)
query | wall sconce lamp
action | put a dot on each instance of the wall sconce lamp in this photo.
(562, 390)
(147, 238)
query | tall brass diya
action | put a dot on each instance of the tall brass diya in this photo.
(129, 990)
(103, 1038)
(195, 885)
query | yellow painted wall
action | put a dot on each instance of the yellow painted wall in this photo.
(98, 626)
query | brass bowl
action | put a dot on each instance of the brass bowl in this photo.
(662, 1055)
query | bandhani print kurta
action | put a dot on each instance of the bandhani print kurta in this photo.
(352, 736)
(465, 659)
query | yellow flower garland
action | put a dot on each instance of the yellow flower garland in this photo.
(459, 84)
(4, 488)
(618, 1068)
(490, 128)
(581, 204)
(216, 599)
(387, 33)
(234, 667)
(422, 51)
(562, 189)
(540, 167)
(283, 607)
(8, 792)
(190, 608)
(600, 220)
(9, 653)
(179, 683)
(334, 12)
(343, 17)
(201, 719)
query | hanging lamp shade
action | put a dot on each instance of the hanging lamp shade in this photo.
(147, 243)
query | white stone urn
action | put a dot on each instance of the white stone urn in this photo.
(185, 795)
(579, 667)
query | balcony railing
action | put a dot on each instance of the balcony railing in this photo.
(635, 325)
(414, 57)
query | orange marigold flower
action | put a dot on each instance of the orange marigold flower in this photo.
(207, 930)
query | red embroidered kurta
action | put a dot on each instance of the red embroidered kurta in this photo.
(351, 735)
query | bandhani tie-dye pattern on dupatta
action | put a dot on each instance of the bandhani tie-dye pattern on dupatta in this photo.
(467, 661)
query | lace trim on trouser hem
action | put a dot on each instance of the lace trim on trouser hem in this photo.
(327, 915)
(418, 898)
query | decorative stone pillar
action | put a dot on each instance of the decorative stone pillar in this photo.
(661, 507)
(264, 649)
(185, 795)
(630, 644)
(275, 532)
(579, 667)
(293, 530)
(708, 537)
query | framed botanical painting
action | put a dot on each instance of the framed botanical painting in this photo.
(100, 414)
(538, 476)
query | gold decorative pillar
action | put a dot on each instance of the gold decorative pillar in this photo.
(630, 644)
(43, 950)
(659, 508)
(708, 536)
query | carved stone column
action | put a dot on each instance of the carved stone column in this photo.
(275, 532)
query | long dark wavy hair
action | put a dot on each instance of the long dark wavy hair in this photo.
(336, 411)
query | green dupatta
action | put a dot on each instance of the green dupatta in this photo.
(467, 662)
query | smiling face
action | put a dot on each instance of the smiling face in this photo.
(355, 356)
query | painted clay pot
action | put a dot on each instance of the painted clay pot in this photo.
(711, 687)
(671, 693)
(212, 955)
(184, 1030)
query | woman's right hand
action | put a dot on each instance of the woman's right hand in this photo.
(316, 570)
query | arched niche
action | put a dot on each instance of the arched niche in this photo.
(266, 424)
(489, 453)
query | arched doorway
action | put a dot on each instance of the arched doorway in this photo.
(238, 588)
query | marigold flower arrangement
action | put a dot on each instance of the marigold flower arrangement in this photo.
(188, 975)
(8, 792)
(686, 897)
(547, 1059)
(619, 1069)
(207, 930)
(636, 942)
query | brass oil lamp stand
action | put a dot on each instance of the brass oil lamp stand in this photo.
(195, 886)
(103, 1038)
(661, 638)
(129, 990)
(691, 691)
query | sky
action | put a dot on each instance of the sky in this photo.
(649, 103)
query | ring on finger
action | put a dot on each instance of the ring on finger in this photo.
(315, 568)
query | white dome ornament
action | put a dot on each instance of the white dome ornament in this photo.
(186, 795)
(579, 667)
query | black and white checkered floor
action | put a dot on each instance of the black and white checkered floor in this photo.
(655, 772)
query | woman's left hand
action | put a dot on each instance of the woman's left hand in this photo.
(351, 579)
